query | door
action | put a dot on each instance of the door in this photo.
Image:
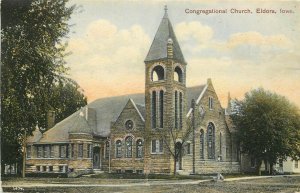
(178, 154)
(96, 158)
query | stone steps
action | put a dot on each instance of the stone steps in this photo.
(98, 171)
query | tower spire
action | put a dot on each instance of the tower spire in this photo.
(166, 11)
(164, 34)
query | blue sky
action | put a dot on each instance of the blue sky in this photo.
(110, 40)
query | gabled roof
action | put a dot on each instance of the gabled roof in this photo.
(107, 111)
(158, 49)
(141, 109)
(138, 111)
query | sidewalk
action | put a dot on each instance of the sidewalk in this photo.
(256, 177)
(147, 183)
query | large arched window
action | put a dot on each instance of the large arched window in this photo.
(153, 110)
(201, 144)
(180, 110)
(158, 73)
(161, 109)
(176, 109)
(211, 141)
(118, 149)
(139, 148)
(178, 74)
(128, 144)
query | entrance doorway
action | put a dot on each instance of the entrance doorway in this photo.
(96, 158)
(178, 153)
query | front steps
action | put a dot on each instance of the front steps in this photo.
(98, 171)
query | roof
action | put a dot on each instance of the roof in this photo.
(75, 123)
(36, 135)
(141, 109)
(107, 110)
(158, 49)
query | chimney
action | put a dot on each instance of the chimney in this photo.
(50, 119)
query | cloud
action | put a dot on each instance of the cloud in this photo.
(257, 39)
(107, 57)
(108, 60)
(194, 30)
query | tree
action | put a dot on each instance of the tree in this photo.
(268, 127)
(170, 138)
(33, 49)
(66, 98)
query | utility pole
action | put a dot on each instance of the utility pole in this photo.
(109, 155)
(193, 126)
(24, 154)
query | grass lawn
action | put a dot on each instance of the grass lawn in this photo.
(289, 184)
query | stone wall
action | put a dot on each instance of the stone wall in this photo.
(224, 154)
(71, 162)
(211, 167)
(120, 132)
(163, 162)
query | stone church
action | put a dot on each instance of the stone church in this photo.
(168, 128)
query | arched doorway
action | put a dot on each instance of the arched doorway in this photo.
(178, 156)
(96, 158)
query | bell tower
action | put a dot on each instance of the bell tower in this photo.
(165, 86)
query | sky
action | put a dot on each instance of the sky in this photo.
(109, 41)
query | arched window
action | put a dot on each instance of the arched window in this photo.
(176, 109)
(211, 141)
(180, 110)
(139, 148)
(158, 73)
(153, 109)
(201, 144)
(128, 144)
(178, 74)
(161, 109)
(118, 149)
(107, 149)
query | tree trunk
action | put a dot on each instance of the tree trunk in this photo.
(174, 166)
(271, 169)
(266, 166)
(2, 168)
(258, 171)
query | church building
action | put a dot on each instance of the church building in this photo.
(168, 128)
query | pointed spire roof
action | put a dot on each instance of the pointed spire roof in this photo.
(158, 49)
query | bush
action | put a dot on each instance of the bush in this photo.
(48, 175)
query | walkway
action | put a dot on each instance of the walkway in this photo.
(147, 183)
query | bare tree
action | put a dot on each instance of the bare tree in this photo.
(172, 136)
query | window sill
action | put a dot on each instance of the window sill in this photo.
(157, 153)
(157, 81)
